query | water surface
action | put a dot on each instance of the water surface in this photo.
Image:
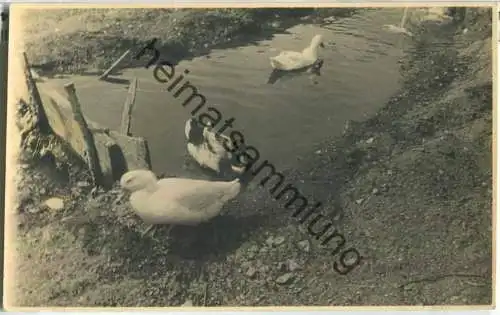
(284, 121)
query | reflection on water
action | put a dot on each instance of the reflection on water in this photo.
(285, 120)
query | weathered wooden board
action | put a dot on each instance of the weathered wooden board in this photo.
(135, 152)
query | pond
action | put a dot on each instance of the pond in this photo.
(284, 120)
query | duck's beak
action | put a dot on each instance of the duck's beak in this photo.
(321, 45)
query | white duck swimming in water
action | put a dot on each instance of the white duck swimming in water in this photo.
(293, 60)
(314, 70)
(207, 149)
(177, 201)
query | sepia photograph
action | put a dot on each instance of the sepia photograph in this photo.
(249, 156)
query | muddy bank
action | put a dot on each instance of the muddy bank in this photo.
(75, 41)
(414, 184)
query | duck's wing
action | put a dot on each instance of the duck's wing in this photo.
(215, 143)
(287, 60)
(196, 195)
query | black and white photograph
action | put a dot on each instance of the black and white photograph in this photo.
(249, 156)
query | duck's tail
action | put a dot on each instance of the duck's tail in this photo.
(275, 63)
(245, 178)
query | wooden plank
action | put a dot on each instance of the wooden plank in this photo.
(60, 117)
(90, 147)
(135, 151)
(116, 152)
(127, 108)
(35, 97)
(114, 65)
(102, 144)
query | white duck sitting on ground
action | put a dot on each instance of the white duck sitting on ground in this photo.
(293, 60)
(177, 201)
(207, 149)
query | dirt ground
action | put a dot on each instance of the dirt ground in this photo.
(414, 184)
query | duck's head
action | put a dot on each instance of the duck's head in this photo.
(137, 179)
(317, 41)
(193, 131)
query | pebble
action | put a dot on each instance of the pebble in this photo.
(251, 272)
(384, 187)
(270, 241)
(304, 245)
(279, 240)
(375, 191)
(293, 265)
(188, 303)
(33, 209)
(275, 241)
(82, 184)
(282, 266)
(285, 279)
(251, 254)
(370, 140)
(264, 269)
(359, 201)
(54, 203)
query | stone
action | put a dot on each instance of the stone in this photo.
(54, 203)
(264, 269)
(251, 272)
(282, 266)
(287, 278)
(276, 24)
(304, 245)
(270, 241)
(188, 303)
(293, 265)
(82, 184)
(279, 240)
